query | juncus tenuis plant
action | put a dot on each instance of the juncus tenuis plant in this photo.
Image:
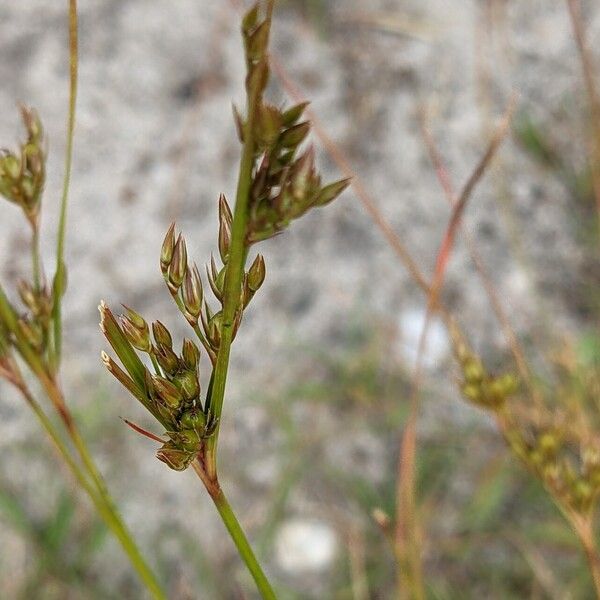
(31, 335)
(277, 183)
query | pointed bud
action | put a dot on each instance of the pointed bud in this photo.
(214, 331)
(295, 135)
(224, 238)
(167, 392)
(190, 355)
(178, 265)
(268, 125)
(292, 115)
(225, 210)
(161, 334)
(173, 457)
(192, 293)
(167, 359)
(167, 249)
(138, 338)
(330, 192)
(212, 275)
(27, 295)
(256, 274)
(32, 333)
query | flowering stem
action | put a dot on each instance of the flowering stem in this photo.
(235, 264)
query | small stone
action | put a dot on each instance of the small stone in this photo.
(305, 545)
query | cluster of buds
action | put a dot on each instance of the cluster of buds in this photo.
(285, 185)
(185, 283)
(35, 323)
(22, 174)
(568, 467)
(481, 388)
(172, 393)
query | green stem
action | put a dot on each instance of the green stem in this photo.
(60, 276)
(235, 268)
(35, 256)
(115, 521)
(237, 534)
(102, 504)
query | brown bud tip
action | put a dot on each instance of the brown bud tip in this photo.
(256, 274)
(178, 264)
(193, 292)
(167, 392)
(330, 192)
(225, 210)
(166, 251)
(190, 354)
(161, 334)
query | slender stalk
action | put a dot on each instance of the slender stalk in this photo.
(62, 226)
(35, 256)
(237, 534)
(113, 519)
(98, 493)
(235, 267)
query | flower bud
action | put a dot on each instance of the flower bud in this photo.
(224, 239)
(166, 251)
(256, 274)
(136, 330)
(194, 419)
(138, 338)
(167, 359)
(178, 265)
(167, 392)
(192, 293)
(161, 334)
(188, 384)
(173, 457)
(295, 135)
(190, 355)
(330, 192)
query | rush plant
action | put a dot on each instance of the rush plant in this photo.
(277, 183)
